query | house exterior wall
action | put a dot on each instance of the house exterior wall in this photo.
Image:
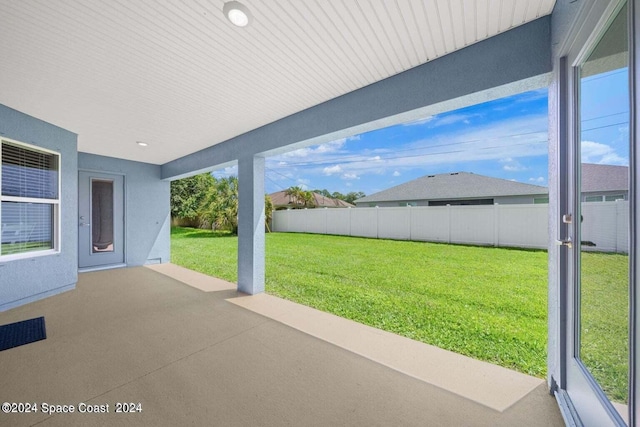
(30, 279)
(147, 212)
(518, 200)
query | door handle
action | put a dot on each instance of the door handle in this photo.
(567, 242)
(82, 224)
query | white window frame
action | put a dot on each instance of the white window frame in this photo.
(56, 203)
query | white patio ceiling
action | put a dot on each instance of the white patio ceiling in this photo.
(179, 76)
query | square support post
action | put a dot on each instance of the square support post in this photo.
(251, 248)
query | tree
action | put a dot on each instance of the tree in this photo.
(268, 211)
(300, 198)
(188, 195)
(337, 195)
(220, 208)
(324, 192)
(308, 199)
(353, 196)
(296, 195)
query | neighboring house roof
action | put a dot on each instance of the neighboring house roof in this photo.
(280, 199)
(604, 178)
(458, 185)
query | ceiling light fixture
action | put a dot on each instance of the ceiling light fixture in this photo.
(142, 144)
(237, 13)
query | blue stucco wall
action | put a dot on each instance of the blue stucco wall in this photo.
(25, 280)
(147, 212)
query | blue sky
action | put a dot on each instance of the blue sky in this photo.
(504, 138)
(605, 118)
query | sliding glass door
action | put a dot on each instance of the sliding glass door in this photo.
(597, 244)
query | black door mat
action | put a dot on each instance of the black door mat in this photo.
(21, 333)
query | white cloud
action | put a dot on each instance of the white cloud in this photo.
(596, 152)
(350, 176)
(315, 150)
(511, 165)
(538, 180)
(450, 119)
(396, 173)
(226, 172)
(418, 122)
(332, 170)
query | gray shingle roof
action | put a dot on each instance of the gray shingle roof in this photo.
(459, 185)
(604, 178)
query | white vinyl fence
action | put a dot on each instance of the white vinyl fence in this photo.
(604, 224)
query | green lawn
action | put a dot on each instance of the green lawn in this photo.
(487, 303)
(605, 319)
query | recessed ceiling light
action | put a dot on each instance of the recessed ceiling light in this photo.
(142, 144)
(237, 13)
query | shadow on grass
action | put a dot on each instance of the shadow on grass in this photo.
(199, 233)
(498, 248)
(467, 245)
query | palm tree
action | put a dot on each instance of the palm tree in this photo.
(296, 195)
(221, 205)
(308, 199)
(268, 211)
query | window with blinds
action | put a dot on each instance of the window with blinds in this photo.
(29, 198)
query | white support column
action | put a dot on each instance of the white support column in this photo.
(251, 225)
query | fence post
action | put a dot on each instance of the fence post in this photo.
(409, 222)
(287, 222)
(496, 225)
(326, 216)
(449, 224)
(377, 223)
(306, 222)
(350, 222)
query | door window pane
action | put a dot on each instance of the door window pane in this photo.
(101, 216)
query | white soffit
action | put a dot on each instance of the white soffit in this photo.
(179, 76)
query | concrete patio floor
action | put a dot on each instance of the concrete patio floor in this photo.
(193, 351)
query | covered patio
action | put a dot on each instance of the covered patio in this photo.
(119, 98)
(192, 350)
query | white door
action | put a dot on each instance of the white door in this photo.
(100, 219)
(596, 223)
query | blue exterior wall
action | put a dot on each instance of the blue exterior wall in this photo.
(147, 217)
(147, 212)
(29, 279)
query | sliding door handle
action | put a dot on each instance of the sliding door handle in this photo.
(567, 242)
